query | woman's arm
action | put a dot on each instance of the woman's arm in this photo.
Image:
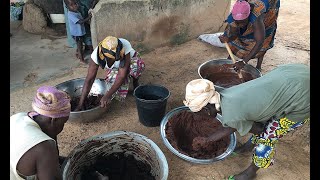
(221, 132)
(93, 3)
(91, 76)
(256, 128)
(81, 21)
(199, 142)
(122, 74)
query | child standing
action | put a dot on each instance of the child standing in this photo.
(76, 24)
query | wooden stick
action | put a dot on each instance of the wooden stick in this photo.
(233, 59)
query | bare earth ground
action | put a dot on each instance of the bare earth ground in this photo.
(174, 67)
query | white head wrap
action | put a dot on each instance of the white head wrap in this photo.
(199, 93)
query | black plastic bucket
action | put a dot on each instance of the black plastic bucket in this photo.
(151, 103)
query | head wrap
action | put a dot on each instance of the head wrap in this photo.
(111, 47)
(240, 10)
(51, 102)
(199, 93)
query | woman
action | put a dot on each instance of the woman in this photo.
(268, 107)
(121, 61)
(251, 29)
(34, 150)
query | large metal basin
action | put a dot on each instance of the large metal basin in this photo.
(208, 64)
(130, 143)
(163, 124)
(74, 88)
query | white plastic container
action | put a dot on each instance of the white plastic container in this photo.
(57, 18)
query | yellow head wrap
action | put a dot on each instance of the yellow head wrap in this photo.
(111, 47)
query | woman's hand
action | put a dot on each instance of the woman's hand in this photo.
(79, 108)
(239, 65)
(105, 100)
(223, 39)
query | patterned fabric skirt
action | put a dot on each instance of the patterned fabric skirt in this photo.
(242, 46)
(137, 66)
(265, 143)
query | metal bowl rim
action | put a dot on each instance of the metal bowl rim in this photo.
(165, 98)
(111, 134)
(260, 74)
(83, 111)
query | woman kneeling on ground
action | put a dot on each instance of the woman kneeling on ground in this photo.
(268, 107)
(120, 61)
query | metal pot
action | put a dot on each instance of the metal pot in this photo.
(164, 122)
(74, 88)
(141, 147)
(215, 62)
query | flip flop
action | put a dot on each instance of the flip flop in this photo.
(233, 154)
(230, 177)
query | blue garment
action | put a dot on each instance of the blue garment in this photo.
(76, 29)
(84, 6)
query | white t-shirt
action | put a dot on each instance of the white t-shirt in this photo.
(127, 49)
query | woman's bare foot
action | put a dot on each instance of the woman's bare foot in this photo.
(249, 174)
(77, 55)
(83, 61)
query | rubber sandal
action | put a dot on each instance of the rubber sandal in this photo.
(231, 177)
(233, 154)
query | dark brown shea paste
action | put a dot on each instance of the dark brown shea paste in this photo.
(118, 166)
(90, 102)
(184, 126)
(225, 76)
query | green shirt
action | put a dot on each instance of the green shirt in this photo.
(283, 92)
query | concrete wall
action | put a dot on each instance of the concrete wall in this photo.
(153, 23)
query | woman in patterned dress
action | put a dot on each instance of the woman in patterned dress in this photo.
(121, 62)
(251, 29)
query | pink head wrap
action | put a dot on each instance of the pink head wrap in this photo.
(240, 10)
(51, 102)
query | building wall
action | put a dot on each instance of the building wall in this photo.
(153, 23)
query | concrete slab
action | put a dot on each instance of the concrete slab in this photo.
(34, 59)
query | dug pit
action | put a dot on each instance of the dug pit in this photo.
(184, 126)
(118, 166)
(90, 102)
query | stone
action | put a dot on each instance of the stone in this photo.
(34, 20)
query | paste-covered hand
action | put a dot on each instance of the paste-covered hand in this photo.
(105, 100)
(80, 107)
(239, 65)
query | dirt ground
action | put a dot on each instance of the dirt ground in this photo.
(174, 67)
